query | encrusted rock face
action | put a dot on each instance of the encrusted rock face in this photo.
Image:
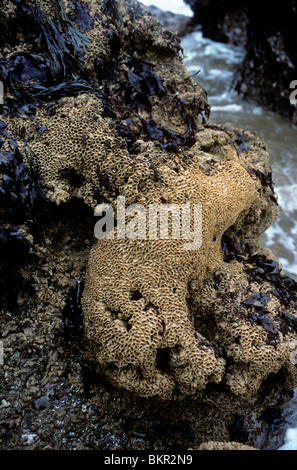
(82, 157)
(135, 304)
(211, 323)
(154, 318)
(179, 24)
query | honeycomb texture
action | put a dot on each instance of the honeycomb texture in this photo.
(214, 445)
(248, 323)
(157, 321)
(135, 304)
(80, 158)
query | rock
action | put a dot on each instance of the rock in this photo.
(269, 37)
(221, 20)
(177, 23)
(163, 347)
(270, 63)
(148, 344)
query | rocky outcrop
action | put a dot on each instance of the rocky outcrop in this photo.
(221, 20)
(269, 37)
(147, 309)
(270, 63)
(132, 327)
(177, 23)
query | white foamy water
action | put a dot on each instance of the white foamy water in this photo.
(290, 430)
(175, 6)
(216, 64)
(291, 440)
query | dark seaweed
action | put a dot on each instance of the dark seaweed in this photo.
(62, 89)
(240, 144)
(283, 287)
(257, 303)
(189, 138)
(82, 18)
(228, 248)
(237, 430)
(142, 84)
(22, 210)
(15, 212)
(266, 180)
(269, 270)
(61, 39)
(166, 139)
(51, 69)
(259, 269)
(112, 8)
(15, 200)
(257, 300)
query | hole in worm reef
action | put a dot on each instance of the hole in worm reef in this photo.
(127, 325)
(163, 359)
(135, 295)
(72, 177)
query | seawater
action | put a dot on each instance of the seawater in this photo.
(216, 64)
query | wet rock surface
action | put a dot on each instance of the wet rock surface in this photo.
(223, 21)
(268, 35)
(139, 111)
(271, 61)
